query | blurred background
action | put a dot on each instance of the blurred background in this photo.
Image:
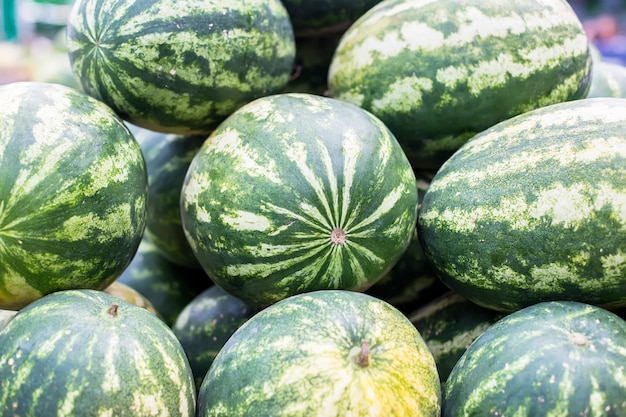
(32, 36)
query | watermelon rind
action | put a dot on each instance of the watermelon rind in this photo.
(534, 209)
(73, 192)
(87, 353)
(326, 353)
(179, 66)
(556, 358)
(296, 192)
(437, 72)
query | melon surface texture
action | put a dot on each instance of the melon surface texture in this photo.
(327, 353)
(180, 66)
(73, 192)
(298, 192)
(534, 209)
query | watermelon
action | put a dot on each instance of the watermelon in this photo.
(168, 286)
(448, 325)
(87, 353)
(296, 192)
(534, 209)
(555, 358)
(73, 193)
(167, 159)
(324, 353)
(437, 72)
(180, 66)
(205, 324)
(607, 80)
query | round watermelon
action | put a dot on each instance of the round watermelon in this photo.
(73, 192)
(87, 353)
(534, 209)
(437, 72)
(326, 353)
(180, 66)
(298, 192)
(556, 358)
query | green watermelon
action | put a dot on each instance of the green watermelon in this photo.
(607, 80)
(180, 66)
(205, 324)
(168, 286)
(87, 353)
(326, 353)
(298, 192)
(556, 358)
(437, 72)
(167, 159)
(534, 209)
(72, 196)
(448, 325)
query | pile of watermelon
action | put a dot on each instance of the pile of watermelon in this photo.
(277, 208)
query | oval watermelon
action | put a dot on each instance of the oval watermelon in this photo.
(534, 209)
(557, 358)
(298, 192)
(326, 353)
(73, 192)
(180, 66)
(437, 72)
(87, 353)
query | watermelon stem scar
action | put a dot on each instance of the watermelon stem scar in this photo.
(578, 339)
(113, 310)
(338, 236)
(363, 358)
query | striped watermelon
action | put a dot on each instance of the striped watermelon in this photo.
(327, 353)
(448, 325)
(205, 324)
(73, 192)
(298, 192)
(87, 353)
(534, 209)
(180, 66)
(557, 358)
(437, 72)
(167, 159)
